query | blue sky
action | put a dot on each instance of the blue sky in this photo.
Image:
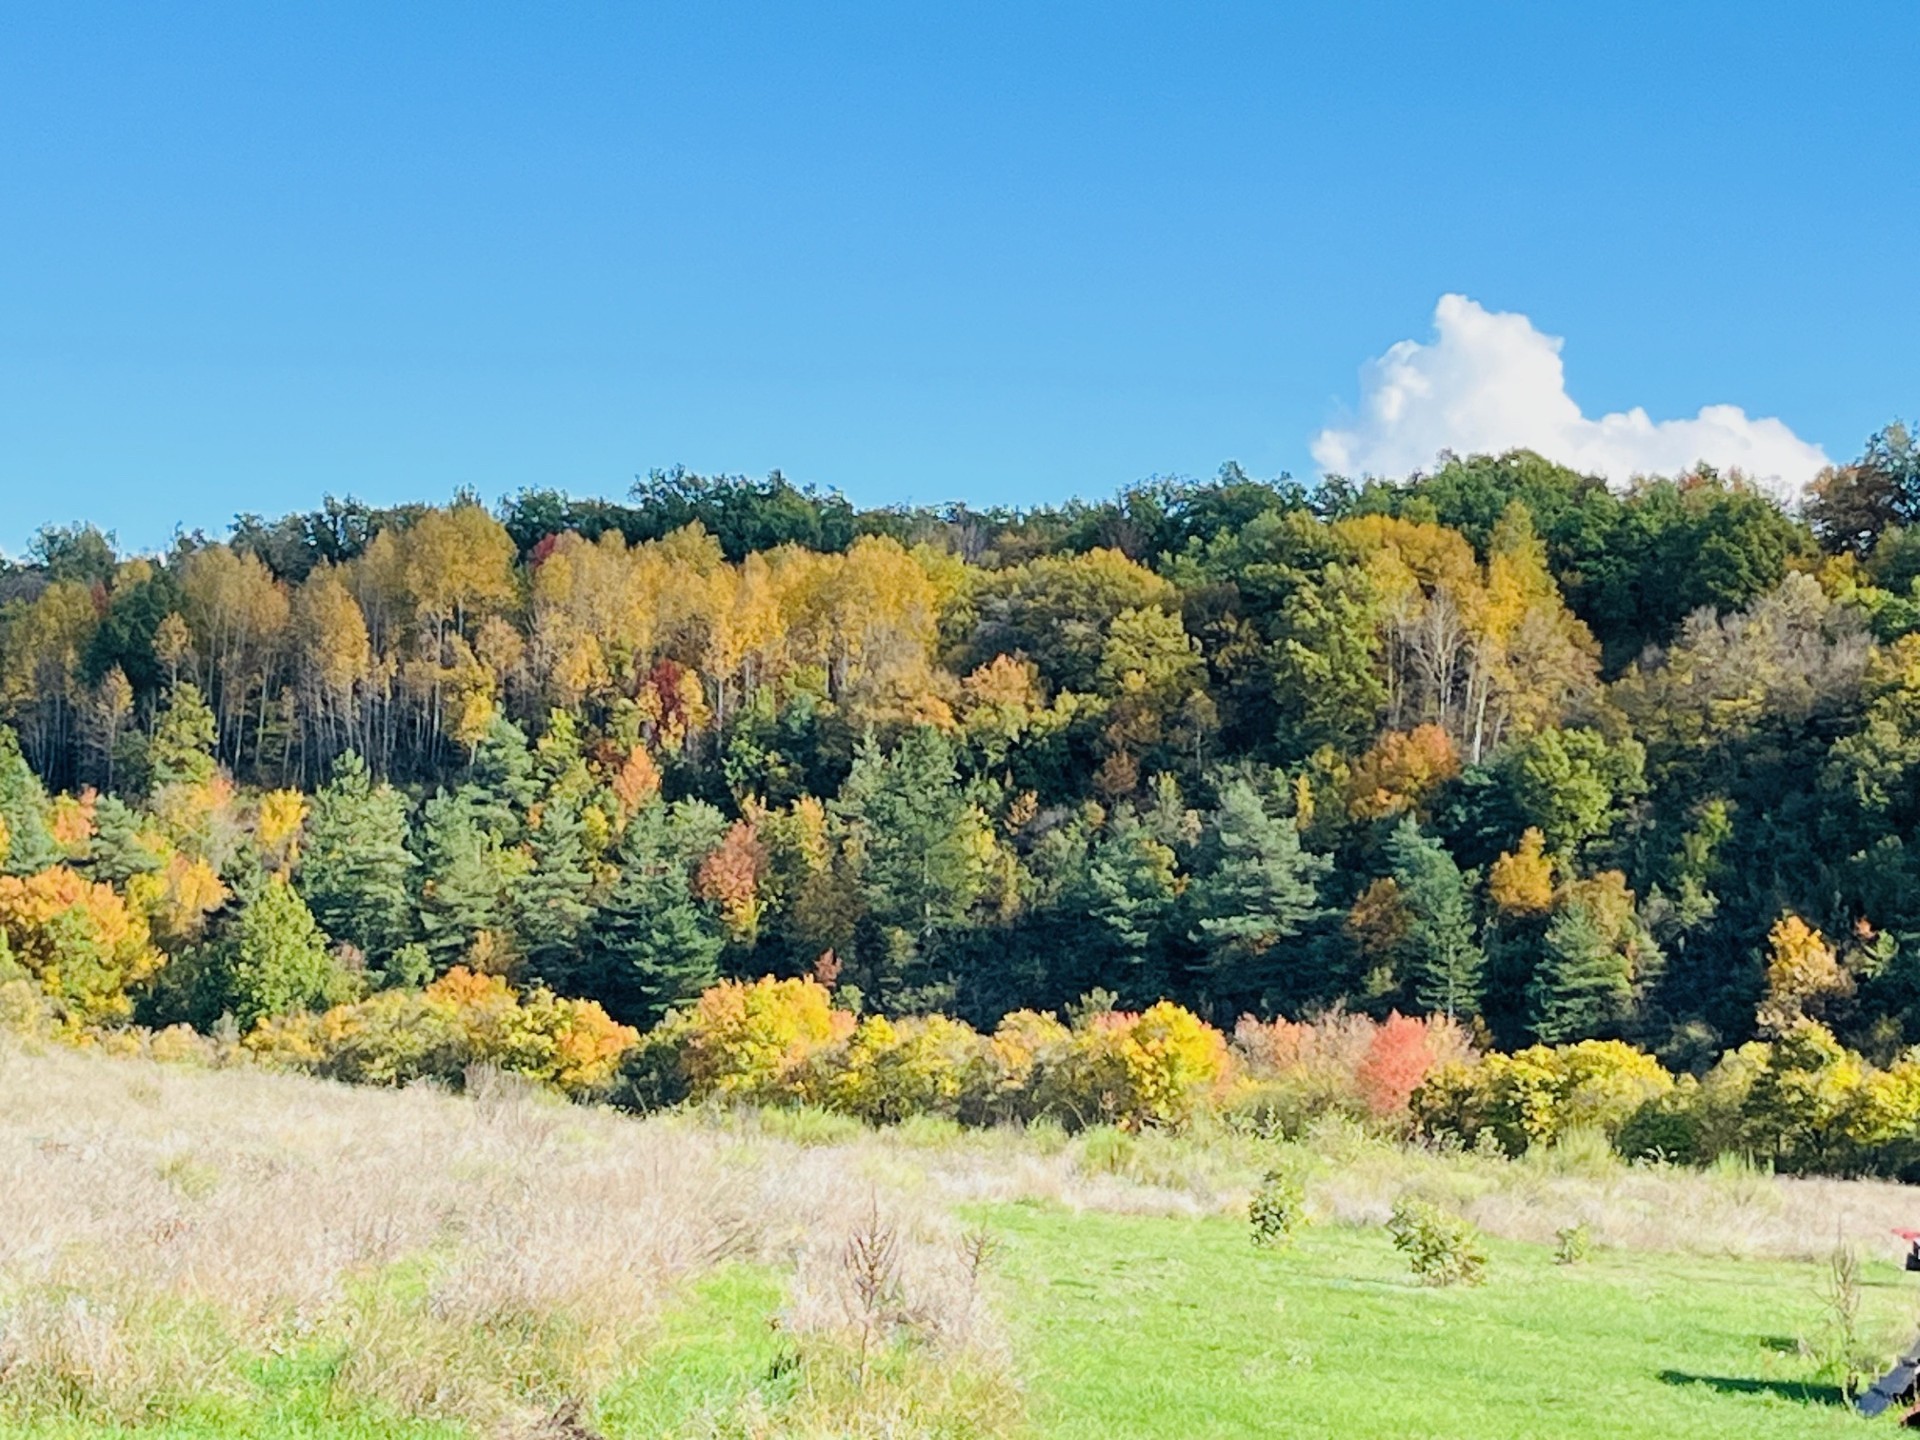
(250, 254)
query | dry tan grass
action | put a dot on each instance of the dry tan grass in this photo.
(498, 1257)
(481, 1258)
(1354, 1179)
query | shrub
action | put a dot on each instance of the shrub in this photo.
(752, 1042)
(1025, 1046)
(1442, 1249)
(1277, 1209)
(892, 1070)
(1400, 1053)
(1531, 1097)
(1668, 1127)
(1804, 1087)
(462, 1019)
(79, 940)
(1345, 1064)
(1573, 1245)
(1883, 1122)
(1154, 1068)
(1105, 1150)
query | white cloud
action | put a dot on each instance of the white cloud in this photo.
(1490, 382)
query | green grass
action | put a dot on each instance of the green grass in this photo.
(1148, 1327)
(291, 1399)
(714, 1358)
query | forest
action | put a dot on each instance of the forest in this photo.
(1496, 743)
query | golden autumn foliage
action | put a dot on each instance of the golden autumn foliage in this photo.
(71, 821)
(1154, 1068)
(178, 897)
(890, 1070)
(462, 1019)
(1378, 921)
(79, 940)
(276, 828)
(1802, 969)
(730, 878)
(1520, 882)
(1400, 770)
(752, 1041)
(636, 781)
(1534, 1096)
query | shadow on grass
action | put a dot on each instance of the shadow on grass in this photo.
(1804, 1392)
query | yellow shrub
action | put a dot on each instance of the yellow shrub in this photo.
(1799, 1098)
(78, 940)
(752, 1042)
(1535, 1095)
(928, 1066)
(462, 1019)
(180, 1045)
(1155, 1068)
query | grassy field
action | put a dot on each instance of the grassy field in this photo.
(188, 1255)
(1160, 1327)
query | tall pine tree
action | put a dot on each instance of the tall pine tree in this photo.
(554, 901)
(355, 871)
(1442, 955)
(274, 960)
(1256, 889)
(30, 846)
(915, 838)
(650, 945)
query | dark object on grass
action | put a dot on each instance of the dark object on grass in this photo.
(1912, 1237)
(1894, 1388)
(1898, 1385)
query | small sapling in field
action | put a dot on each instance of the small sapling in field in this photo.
(1277, 1210)
(1443, 1249)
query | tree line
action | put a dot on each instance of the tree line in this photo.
(1496, 743)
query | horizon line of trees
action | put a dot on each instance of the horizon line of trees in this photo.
(1495, 742)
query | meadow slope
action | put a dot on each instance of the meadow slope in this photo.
(194, 1253)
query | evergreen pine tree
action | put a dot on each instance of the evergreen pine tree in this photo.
(1596, 955)
(914, 832)
(650, 945)
(274, 960)
(181, 750)
(1443, 957)
(501, 786)
(1129, 890)
(355, 870)
(30, 846)
(1256, 887)
(116, 854)
(468, 877)
(554, 901)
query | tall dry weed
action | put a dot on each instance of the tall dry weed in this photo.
(483, 1259)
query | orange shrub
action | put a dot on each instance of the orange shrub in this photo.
(78, 939)
(1399, 1055)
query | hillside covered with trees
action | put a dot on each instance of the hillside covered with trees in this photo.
(1495, 742)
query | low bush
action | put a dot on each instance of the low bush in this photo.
(1132, 1071)
(1572, 1245)
(1442, 1249)
(1277, 1210)
(1350, 1064)
(1530, 1097)
(749, 1042)
(461, 1020)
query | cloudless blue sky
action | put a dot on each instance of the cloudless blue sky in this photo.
(253, 253)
